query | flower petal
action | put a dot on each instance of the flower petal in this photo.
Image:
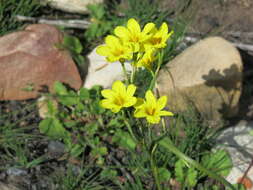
(161, 102)
(131, 90)
(133, 26)
(149, 27)
(105, 103)
(108, 93)
(121, 32)
(140, 113)
(119, 87)
(112, 41)
(103, 50)
(153, 119)
(139, 103)
(166, 113)
(150, 98)
(163, 28)
(130, 102)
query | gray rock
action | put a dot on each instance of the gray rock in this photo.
(55, 149)
(239, 143)
(72, 6)
(16, 172)
(7, 187)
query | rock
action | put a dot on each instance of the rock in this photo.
(30, 59)
(7, 187)
(239, 143)
(100, 72)
(16, 172)
(72, 6)
(42, 105)
(208, 75)
(55, 149)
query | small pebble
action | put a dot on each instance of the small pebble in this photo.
(16, 172)
(56, 148)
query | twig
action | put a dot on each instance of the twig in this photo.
(246, 172)
(83, 24)
(79, 24)
(242, 46)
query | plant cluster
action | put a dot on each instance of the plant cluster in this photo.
(105, 127)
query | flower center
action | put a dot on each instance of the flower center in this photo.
(134, 38)
(118, 52)
(156, 40)
(150, 111)
(119, 101)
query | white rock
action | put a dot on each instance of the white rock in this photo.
(100, 72)
(239, 143)
(72, 6)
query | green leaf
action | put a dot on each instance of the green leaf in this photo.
(52, 108)
(91, 128)
(73, 44)
(219, 162)
(108, 173)
(251, 132)
(76, 150)
(99, 151)
(60, 89)
(96, 108)
(70, 124)
(124, 139)
(84, 94)
(97, 10)
(237, 187)
(79, 59)
(191, 178)
(53, 128)
(115, 123)
(69, 99)
(179, 171)
(164, 175)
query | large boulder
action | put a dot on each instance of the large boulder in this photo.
(72, 6)
(31, 59)
(101, 72)
(207, 75)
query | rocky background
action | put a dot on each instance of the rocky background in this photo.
(213, 71)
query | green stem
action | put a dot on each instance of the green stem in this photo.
(154, 168)
(125, 73)
(133, 74)
(154, 74)
(129, 128)
(166, 143)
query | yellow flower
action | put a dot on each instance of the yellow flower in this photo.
(120, 96)
(133, 35)
(151, 108)
(114, 50)
(160, 37)
(147, 59)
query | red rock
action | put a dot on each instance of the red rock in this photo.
(30, 57)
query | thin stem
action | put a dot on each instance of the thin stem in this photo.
(133, 74)
(154, 168)
(125, 73)
(129, 128)
(154, 74)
